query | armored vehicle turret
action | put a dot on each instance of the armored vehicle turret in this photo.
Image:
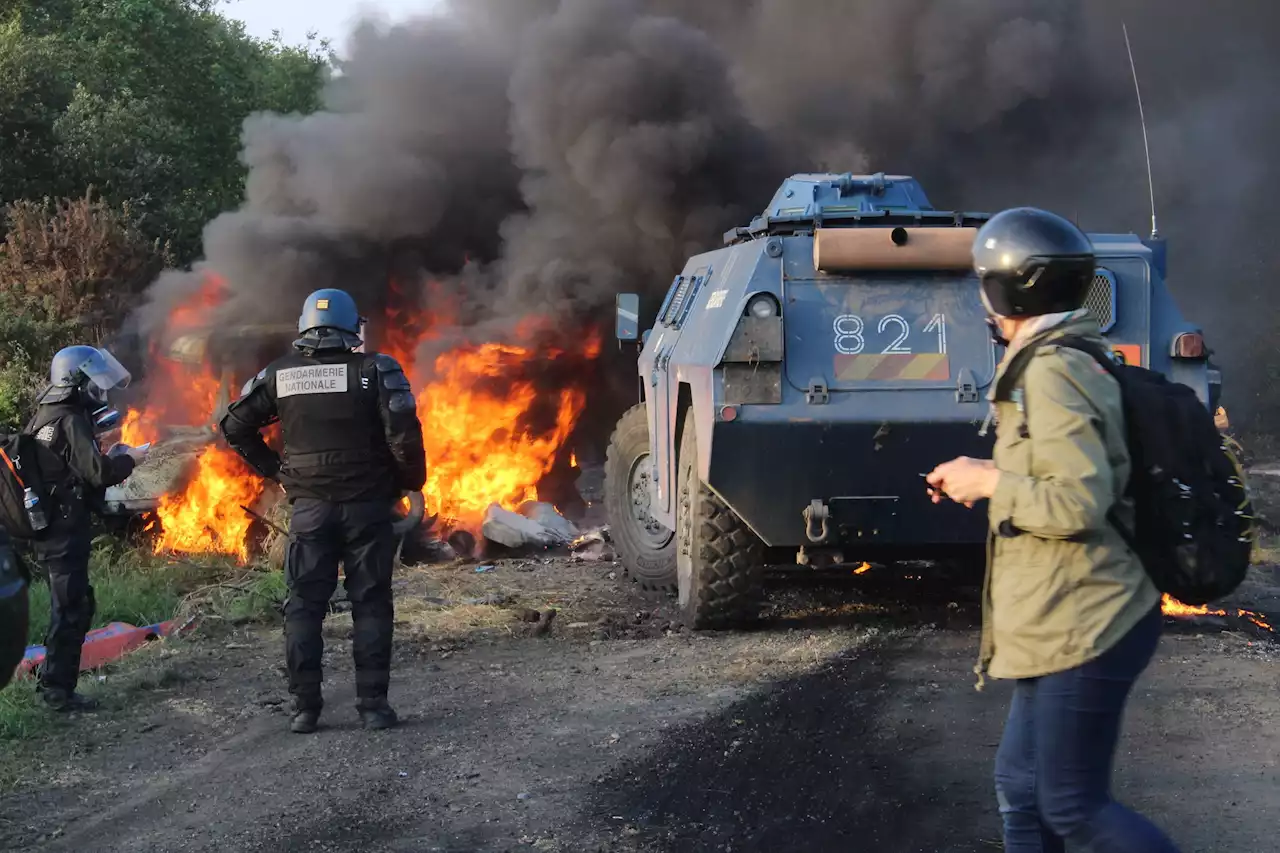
(797, 382)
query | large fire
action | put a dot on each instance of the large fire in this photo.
(209, 516)
(205, 515)
(491, 433)
(480, 447)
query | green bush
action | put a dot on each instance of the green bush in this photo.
(128, 585)
(69, 270)
(144, 99)
(20, 382)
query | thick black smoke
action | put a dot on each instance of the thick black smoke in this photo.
(509, 159)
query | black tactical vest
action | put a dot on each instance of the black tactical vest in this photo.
(335, 445)
(45, 426)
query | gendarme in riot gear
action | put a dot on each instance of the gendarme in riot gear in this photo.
(352, 446)
(75, 473)
(1032, 262)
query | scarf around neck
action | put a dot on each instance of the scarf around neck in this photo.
(1039, 325)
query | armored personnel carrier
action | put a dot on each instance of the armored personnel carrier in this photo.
(797, 383)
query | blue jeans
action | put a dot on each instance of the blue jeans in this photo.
(1053, 769)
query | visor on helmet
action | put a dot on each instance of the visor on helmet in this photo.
(104, 371)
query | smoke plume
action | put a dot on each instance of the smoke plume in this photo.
(536, 158)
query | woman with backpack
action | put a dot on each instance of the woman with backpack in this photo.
(1069, 613)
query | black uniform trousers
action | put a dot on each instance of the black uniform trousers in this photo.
(320, 534)
(64, 553)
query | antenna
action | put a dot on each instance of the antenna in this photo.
(1146, 146)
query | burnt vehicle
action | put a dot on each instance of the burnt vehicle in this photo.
(798, 382)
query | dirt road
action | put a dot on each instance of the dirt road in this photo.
(839, 727)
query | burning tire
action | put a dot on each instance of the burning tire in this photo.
(719, 561)
(645, 547)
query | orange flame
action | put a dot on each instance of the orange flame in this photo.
(133, 431)
(490, 434)
(1172, 607)
(481, 447)
(208, 516)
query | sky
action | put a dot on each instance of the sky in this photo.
(331, 19)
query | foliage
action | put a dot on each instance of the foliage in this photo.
(143, 99)
(252, 596)
(135, 586)
(78, 261)
(129, 585)
(68, 272)
(20, 382)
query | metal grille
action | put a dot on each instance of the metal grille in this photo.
(1100, 301)
(677, 301)
(677, 319)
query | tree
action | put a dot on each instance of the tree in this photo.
(143, 99)
(70, 269)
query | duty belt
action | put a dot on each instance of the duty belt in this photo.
(320, 458)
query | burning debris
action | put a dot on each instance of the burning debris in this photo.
(593, 545)
(1176, 609)
(512, 530)
(536, 525)
(208, 515)
(493, 434)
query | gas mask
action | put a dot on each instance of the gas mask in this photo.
(105, 419)
(97, 397)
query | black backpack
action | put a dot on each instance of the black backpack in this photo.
(20, 455)
(1193, 527)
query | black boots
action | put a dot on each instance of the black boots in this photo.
(304, 722)
(66, 701)
(376, 713)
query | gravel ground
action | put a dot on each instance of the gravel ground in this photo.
(848, 723)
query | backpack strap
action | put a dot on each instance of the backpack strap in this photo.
(1088, 347)
(1013, 373)
(1018, 365)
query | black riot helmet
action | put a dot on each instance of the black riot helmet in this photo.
(1032, 262)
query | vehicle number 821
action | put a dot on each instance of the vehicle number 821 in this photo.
(892, 332)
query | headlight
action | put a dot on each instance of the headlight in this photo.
(762, 305)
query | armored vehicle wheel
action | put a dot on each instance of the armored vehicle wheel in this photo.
(719, 561)
(645, 547)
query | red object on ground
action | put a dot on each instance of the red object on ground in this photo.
(102, 645)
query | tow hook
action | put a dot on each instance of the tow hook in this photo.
(815, 516)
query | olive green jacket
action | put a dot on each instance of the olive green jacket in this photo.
(1062, 587)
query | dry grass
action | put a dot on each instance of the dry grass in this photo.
(457, 621)
(451, 602)
(249, 595)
